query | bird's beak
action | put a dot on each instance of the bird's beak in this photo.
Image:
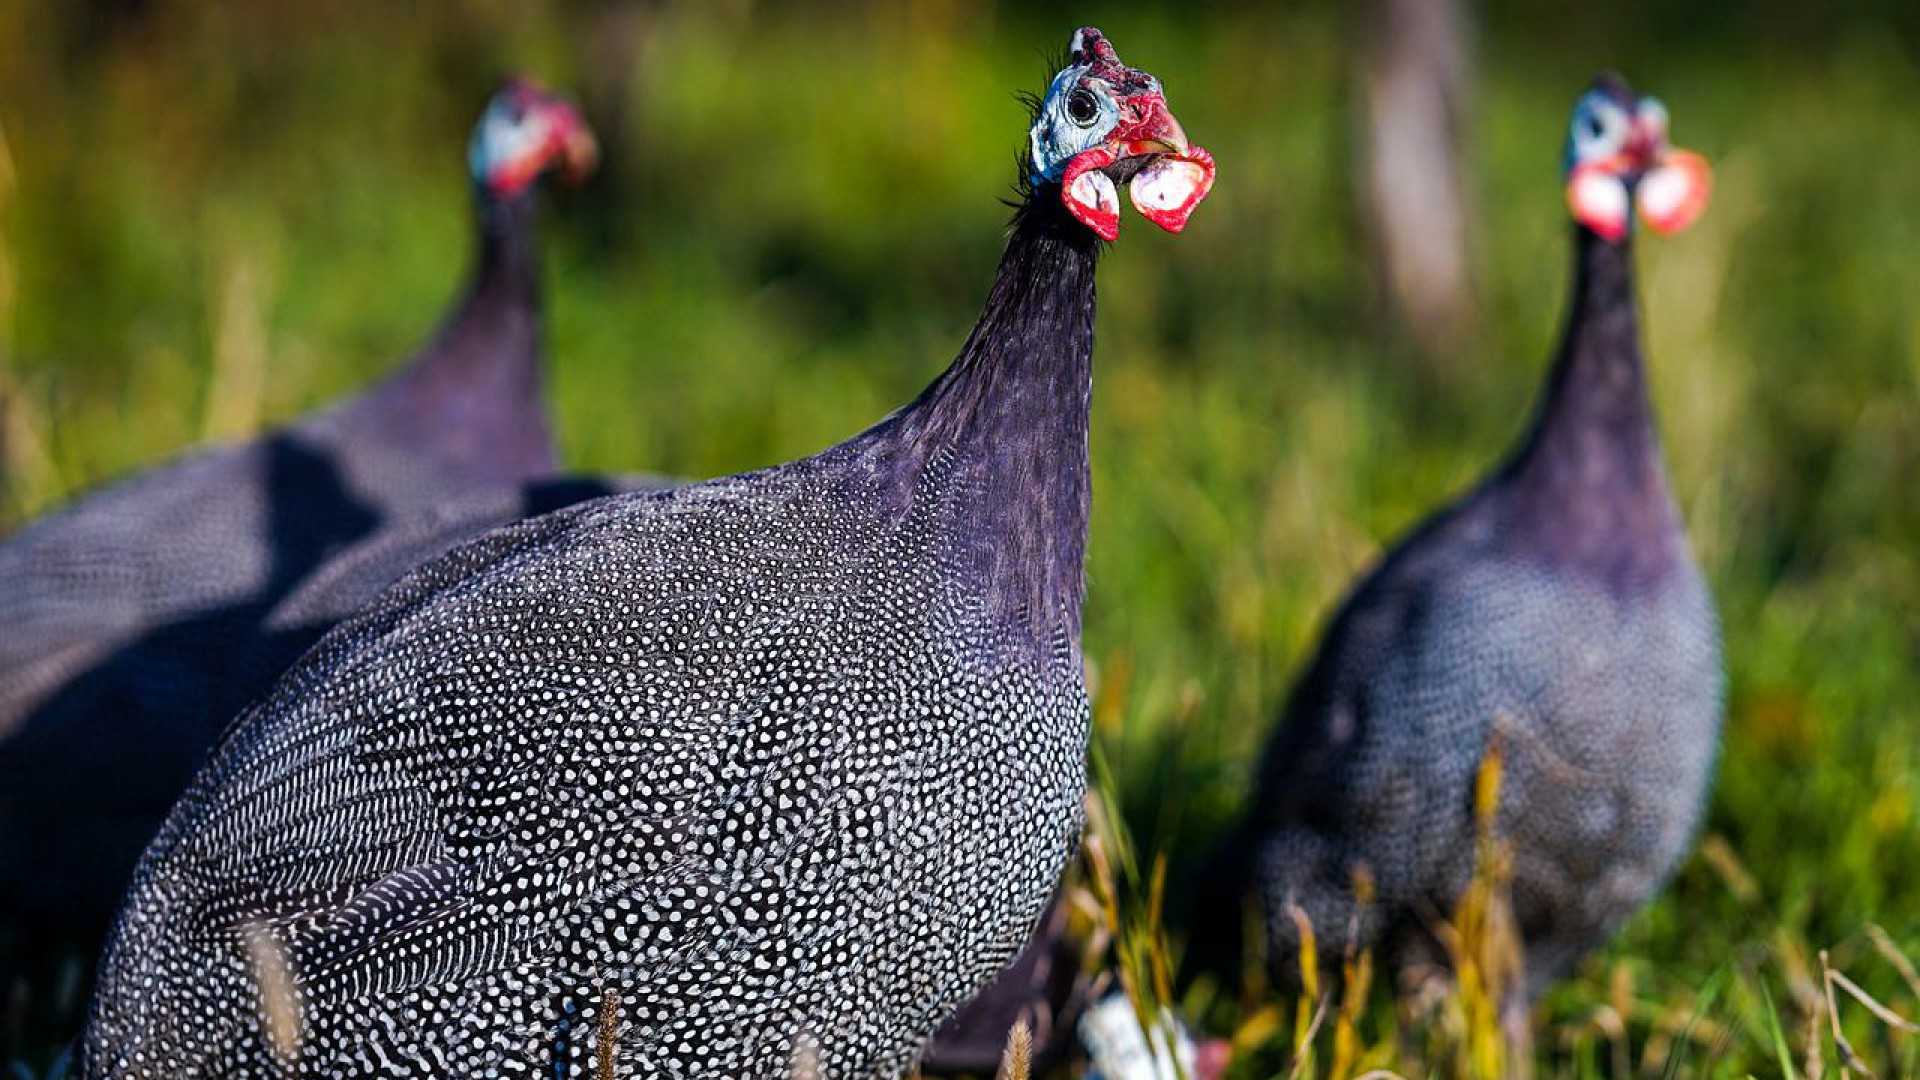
(1671, 186)
(1646, 142)
(1147, 126)
(1169, 187)
(579, 152)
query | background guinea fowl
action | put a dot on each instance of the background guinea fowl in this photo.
(137, 616)
(1554, 612)
(780, 765)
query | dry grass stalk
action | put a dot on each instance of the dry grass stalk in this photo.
(1883, 943)
(1832, 979)
(1727, 866)
(1814, 1065)
(1016, 1061)
(1303, 1047)
(1620, 994)
(1307, 1010)
(32, 476)
(806, 1058)
(1881, 1012)
(1482, 941)
(1356, 968)
(279, 1000)
(1849, 1061)
(1133, 909)
(609, 1048)
(237, 386)
(1612, 1026)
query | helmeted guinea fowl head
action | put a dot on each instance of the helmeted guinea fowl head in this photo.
(527, 132)
(1102, 123)
(1618, 156)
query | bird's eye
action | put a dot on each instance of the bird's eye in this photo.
(1082, 109)
(1598, 129)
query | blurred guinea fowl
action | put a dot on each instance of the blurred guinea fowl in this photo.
(768, 772)
(135, 616)
(1554, 613)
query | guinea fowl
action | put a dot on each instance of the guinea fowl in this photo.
(135, 616)
(1554, 615)
(775, 768)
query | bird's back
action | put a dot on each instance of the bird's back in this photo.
(360, 571)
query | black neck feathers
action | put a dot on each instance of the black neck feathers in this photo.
(472, 399)
(1590, 488)
(1008, 421)
(1598, 386)
(509, 261)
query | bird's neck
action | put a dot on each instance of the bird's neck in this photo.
(509, 260)
(1006, 427)
(1590, 478)
(1598, 384)
(501, 304)
(473, 396)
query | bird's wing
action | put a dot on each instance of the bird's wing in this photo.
(586, 681)
(411, 539)
(92, 577)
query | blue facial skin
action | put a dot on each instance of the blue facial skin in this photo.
(480, 148)
(1600, 129)
(1074, 118)
(504, 132)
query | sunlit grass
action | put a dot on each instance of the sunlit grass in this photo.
(220, 215)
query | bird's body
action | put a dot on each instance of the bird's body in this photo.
(141, 616)
(1554, 617)
(1043, 988)
(772, 769)
(742, 755)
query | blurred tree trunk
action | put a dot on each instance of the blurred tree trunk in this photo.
(611, 35)
(1415, 95)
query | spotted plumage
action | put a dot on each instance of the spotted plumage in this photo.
(358, 572)
(1044, 988)
(140, 619)
(786, 764)
(1554, 614)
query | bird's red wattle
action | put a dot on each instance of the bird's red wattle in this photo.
(1089, 196)
(1675, 192)
(1167, 190)
(1599, 200)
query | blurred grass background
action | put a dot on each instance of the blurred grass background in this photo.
(215, 216)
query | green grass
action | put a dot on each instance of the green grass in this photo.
(213, 217)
